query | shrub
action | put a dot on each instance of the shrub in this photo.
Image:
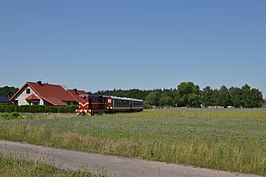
(9, 116)
(37, 109)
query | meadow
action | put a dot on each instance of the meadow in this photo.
(224, 139)
(13, 166)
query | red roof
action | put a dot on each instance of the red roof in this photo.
(55, 101)
(54, 94)
(32, 97)
(75, 94)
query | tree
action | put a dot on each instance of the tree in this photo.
(194, 100)
(153, 99)
(166, 98)
(224, 97)
(8, 91)
(257, 98)
(206, 97)
(251, 97)
(189, 94)
(236, 97)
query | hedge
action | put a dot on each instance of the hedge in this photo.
(38, 109)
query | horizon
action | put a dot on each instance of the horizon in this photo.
(201, 88)
(142, 44)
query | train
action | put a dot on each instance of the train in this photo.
(99, 104)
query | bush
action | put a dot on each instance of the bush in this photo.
(9, 116)
(37, 109)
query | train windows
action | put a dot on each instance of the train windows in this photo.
(121, 103)
(137, 103)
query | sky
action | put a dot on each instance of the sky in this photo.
(124, 44)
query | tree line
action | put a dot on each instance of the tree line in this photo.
(187, 94)
(8, 91)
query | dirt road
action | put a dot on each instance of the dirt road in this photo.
(110, 165)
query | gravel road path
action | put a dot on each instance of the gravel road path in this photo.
(110, 165)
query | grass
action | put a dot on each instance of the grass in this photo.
(224, 139)
(11, 166)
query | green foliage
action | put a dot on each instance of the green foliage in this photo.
(8, 116)
(13, 166)
(224, 97)
(246, 97)
(189, 94)
(207, 97)
(3, 104)
(153, 99)
(7, 91)
(38, 109)
(165, 100)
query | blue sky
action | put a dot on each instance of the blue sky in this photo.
(145, 44)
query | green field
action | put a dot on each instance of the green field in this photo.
(225, 139)
(11, 166)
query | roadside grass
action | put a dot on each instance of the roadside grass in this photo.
(12, 166)
(224, 139)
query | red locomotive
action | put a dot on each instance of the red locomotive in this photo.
(93, 104)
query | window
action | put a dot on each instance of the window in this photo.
(35, 102)
(138, 103)
(28, 91)
(121, 103)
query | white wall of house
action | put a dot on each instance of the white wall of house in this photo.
(21, 97)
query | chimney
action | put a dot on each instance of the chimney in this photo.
(76, 91)
(39, 82)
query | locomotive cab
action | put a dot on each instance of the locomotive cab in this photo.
(83, 106)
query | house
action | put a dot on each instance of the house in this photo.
(38, 93)
(4, 99)
(77, 94)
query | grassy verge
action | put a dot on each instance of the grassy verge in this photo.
(11, 166)
(232, 140)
